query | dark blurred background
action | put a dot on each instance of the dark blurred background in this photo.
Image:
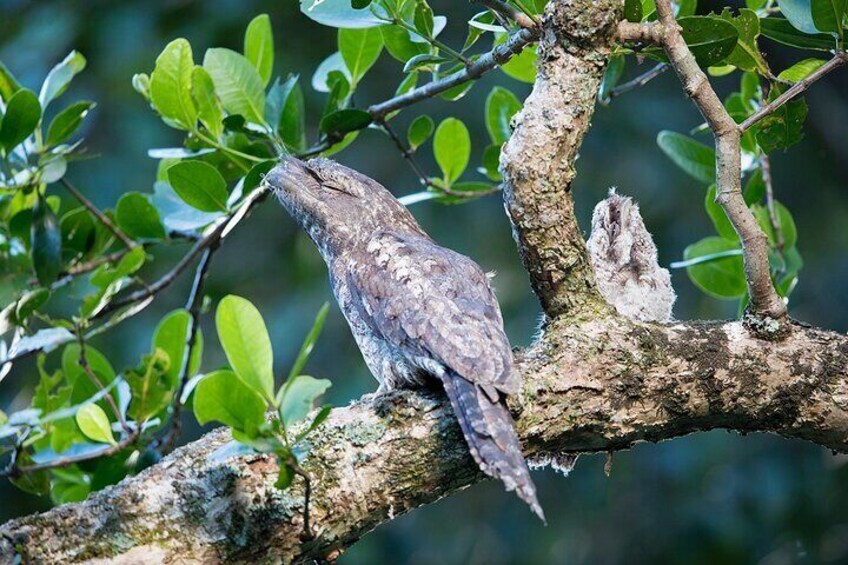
(710, 498)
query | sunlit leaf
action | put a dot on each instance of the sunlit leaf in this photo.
(200, 185)
(246, 343)
(60, 77)
(94, 423)
(221, 396)
(237, 83)
(452, 148)
(259, 46)
(170, 85)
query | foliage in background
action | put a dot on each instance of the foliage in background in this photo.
(89, 426)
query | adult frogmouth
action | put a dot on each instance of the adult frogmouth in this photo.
(418, 311)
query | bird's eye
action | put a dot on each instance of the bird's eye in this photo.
(336, 187)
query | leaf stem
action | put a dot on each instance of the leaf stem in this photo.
(101, 217)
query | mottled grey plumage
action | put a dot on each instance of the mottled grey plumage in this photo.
(417, 310)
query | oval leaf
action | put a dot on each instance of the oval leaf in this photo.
(46, 243)
(299, 397)
(259, 46)
(138, 217)
(237, 83)
(722, 276)
(452, 148)
(94, 424)
(170, 85)
(200, 185)
(221, 396)
(246, 343)
(22, 115)
(693, 157)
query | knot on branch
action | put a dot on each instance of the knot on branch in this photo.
(584, 22)
(624, 256)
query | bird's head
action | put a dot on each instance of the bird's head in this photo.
(337, 206)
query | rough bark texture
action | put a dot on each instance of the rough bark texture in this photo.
(538, 161)
(591, 385)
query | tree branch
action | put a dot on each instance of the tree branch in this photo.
(494, 58)
(508, 12)
(764, 300)
(537, 162)
(799, 87)
(599, 385)
(101, 217)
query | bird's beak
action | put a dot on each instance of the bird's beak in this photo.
(291, 176)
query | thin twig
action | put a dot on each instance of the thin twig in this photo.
(214, 235)
(101, 217)
(193, 304)
(86, 367)
(406, 153)
(764, 298)
(765, 166)
(13, 470)
(837, 61)
(502, 8)
(639, 81)
(307, 528)
(494, 58)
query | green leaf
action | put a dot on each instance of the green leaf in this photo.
(829, 15)
(633, 10)
(722, 277)
(66, 122)
(746, 54)
(697, 159)
(286, 476)
(246, 342)
(60, 77)
(399, 44)
(420, 131)
(800, 14)
(8, 83)
(784, 127)
(521, 66)
(170, 85)
(299, 398)
(69, 485)
(92, 422)
(339, 13)
(360, 49)
(30, 302)
(138, 217)
(309, 342)
(464, 192)
(719, 218)
(423, 62)
(21, 118)
(259, 46)
(46, 243)
(611, 76)
(490, 164)
(710, 38)
(755, 188)
(151, 386)
(782, 31)
(237, 83)
(452, 148)
(341, 122)
(316, 421)
(171, 336)
(801, 70)
(285, 110)
(208, 106)
(221, 396)
(200, 185)
(501, 106)
(784, 220)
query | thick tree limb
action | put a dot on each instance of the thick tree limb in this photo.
(538, 160)
(590, 385)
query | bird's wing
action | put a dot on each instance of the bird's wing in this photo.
(433, 303)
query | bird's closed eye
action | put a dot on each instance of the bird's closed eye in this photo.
(337, 187)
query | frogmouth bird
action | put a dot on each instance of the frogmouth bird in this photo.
(418, 311)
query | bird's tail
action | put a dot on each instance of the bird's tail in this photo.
(490, 432)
